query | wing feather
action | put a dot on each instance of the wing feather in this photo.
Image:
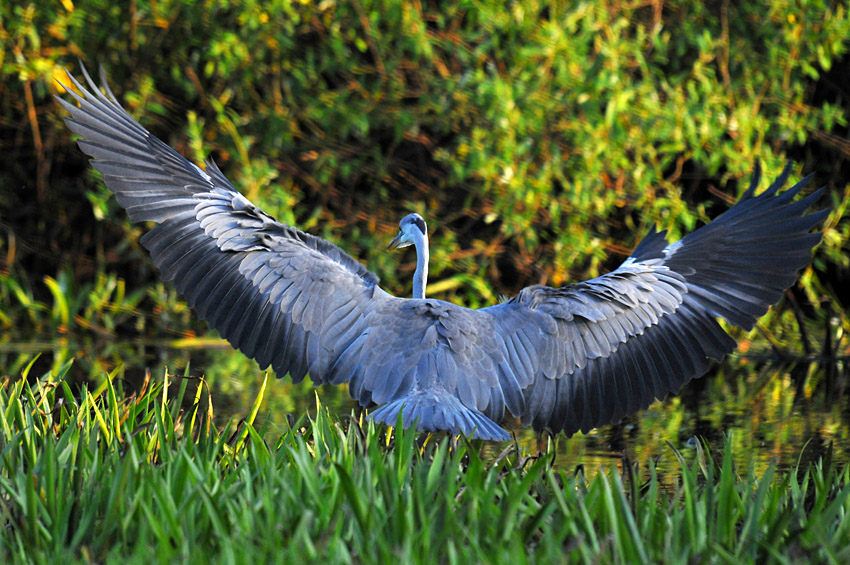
(287, 298)
(645, 329)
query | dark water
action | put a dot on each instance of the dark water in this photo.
(774, 413)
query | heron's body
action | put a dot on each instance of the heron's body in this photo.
(569, 358)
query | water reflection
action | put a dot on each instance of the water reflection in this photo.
(774, 413)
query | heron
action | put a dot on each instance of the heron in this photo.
(560, 359)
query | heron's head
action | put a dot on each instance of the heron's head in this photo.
(410, 228)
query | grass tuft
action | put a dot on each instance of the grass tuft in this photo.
(102, 474)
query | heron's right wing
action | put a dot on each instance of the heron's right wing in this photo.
(588, 354)
(283, 297)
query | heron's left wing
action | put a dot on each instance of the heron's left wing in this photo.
(283, 297)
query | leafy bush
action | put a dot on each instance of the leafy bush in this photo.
(539, 139)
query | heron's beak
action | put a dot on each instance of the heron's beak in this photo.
(395, 242)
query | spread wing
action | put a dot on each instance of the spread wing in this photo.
(599, 350)
(283, 297)
(286, 298)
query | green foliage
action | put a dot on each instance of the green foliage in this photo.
(103, 475)
(538, 138)
(100, 307)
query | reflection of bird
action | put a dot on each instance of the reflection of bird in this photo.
(569, 358)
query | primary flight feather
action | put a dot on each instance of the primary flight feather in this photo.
(564, 359)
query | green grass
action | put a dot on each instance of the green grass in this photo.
(98, 475)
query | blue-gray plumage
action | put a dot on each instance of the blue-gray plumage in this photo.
(570, 358)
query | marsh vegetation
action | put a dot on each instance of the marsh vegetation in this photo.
(541, 141)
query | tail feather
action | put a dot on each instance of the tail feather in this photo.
(434, 411)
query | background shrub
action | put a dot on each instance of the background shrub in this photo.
(539, 139)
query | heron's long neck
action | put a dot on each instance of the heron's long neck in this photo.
(420, 277)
